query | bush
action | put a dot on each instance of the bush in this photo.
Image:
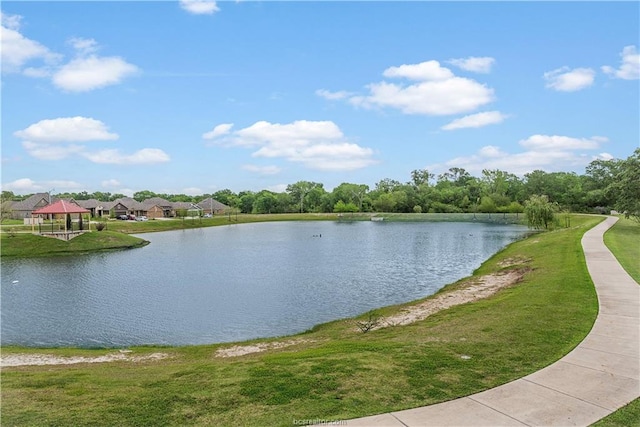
(100, 226)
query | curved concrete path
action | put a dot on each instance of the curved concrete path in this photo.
(598, 377)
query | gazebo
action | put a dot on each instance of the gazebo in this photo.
(65, 208)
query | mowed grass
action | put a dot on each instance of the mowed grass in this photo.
(623, 239)
(31, 245)
(337, 372)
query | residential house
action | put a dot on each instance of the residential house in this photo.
(97, 208)
(213, 207)
(189, 209)
(23, 209)
(168, 210)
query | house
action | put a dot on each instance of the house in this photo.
(97, 208)
(127, 206)
(23, 209)
(153, 211)
(213, 207)
(166, 206)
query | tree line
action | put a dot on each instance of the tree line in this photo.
(605, 185)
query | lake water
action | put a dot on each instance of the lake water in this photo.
(236, 282)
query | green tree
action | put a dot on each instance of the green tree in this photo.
(246, 199)
(300, 190)
(265, 202)
(456, 176)
(225, 196)
(387, 185)
(421, 177)
(626, 187)
(351, 193)
(385, 203)
(342, 207)
(5, 205)
(143, 195)
(539, 211)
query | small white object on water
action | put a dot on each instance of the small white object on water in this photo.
(15, 281)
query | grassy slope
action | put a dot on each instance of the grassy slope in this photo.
(30, 245)
(623, 239)
(342, 373)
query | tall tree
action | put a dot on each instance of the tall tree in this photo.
(299, 191)
(421, 177)
(626, 186)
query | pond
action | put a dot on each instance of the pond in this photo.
(236, 282)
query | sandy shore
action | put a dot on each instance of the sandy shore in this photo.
(7, 360)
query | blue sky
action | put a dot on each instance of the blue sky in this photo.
(197, 96)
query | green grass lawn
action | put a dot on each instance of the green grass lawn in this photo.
(338, 372)
(32, 245)
(623, 239)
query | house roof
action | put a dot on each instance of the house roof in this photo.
(158, 201)
(31, 202)
(61, 207)
(91, 203)
(185, 205)
(210, 203)
(129, 203)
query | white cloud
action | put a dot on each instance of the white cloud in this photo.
(473, 63)
(110, 183)
(567, 80)
(476, 120)
(67, 129)
(603, 156)
(199, 7)
(85, 72)
(10, 21)
(88, 73)
(191, 191)
(542, 152)
(429, 70)
(278, 188)
(556, 142)
(262, 170)
(114, 157)
(83, 46)
(333, 96)
(630, 66)
(437, 91)
(16, 50)
(22, 186)
(50, 140)
(316, 144)
(50, 151)
(222, 129)
(27, 185)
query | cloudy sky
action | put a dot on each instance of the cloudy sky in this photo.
(197, 96)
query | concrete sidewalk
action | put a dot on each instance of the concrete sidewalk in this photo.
(599, 376)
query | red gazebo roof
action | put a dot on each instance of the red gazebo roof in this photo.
(61, 207)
